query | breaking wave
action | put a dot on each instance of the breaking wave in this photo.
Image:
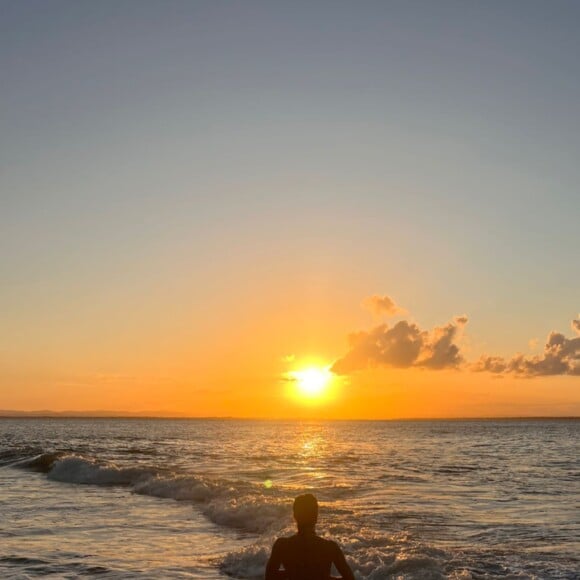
(239, 505)
(371, 556)
(74, 469)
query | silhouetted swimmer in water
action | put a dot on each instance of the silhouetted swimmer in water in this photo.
(306, 556)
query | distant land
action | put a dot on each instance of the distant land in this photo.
(91, 414)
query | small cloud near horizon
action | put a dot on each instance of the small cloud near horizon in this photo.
(382, 305)
(561, 356)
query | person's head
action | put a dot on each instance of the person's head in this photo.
(305, 511)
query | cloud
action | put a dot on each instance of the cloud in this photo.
(492, 364)
(561, 356)
(382, 305)
(406, 345)
(403, 345)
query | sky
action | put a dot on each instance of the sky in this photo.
(199, 198)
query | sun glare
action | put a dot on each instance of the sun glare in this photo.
(311, 382)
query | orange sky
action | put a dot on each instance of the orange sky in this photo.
(189, 196)
(242, 373)
(376, 395)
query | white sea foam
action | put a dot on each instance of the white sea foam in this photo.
(248, 563)
(254, 514)
(180, 488)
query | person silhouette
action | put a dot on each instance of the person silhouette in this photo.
(306, 556)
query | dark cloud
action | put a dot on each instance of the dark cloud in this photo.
(561, 356)
(403, 345)
(382, 305)
(492, 364)
(440, 350)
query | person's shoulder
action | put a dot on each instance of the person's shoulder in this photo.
(281, 540)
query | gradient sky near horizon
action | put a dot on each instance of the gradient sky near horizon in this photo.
(197, 195)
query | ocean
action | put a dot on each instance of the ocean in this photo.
(156, 498)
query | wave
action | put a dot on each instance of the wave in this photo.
(249, 562)
(253, 514)
(179, 488)
(38, 462)
(75, 469)
(233, 504)
(9, 457)
(71, 468)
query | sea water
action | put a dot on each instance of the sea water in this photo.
(153, 498)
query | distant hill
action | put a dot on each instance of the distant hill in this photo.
(93, 413)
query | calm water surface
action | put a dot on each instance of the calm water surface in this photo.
(205, 499)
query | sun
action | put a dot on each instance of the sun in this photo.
(311, 382)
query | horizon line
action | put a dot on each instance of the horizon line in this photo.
(93, 414)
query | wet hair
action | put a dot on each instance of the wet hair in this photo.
(305, 510)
